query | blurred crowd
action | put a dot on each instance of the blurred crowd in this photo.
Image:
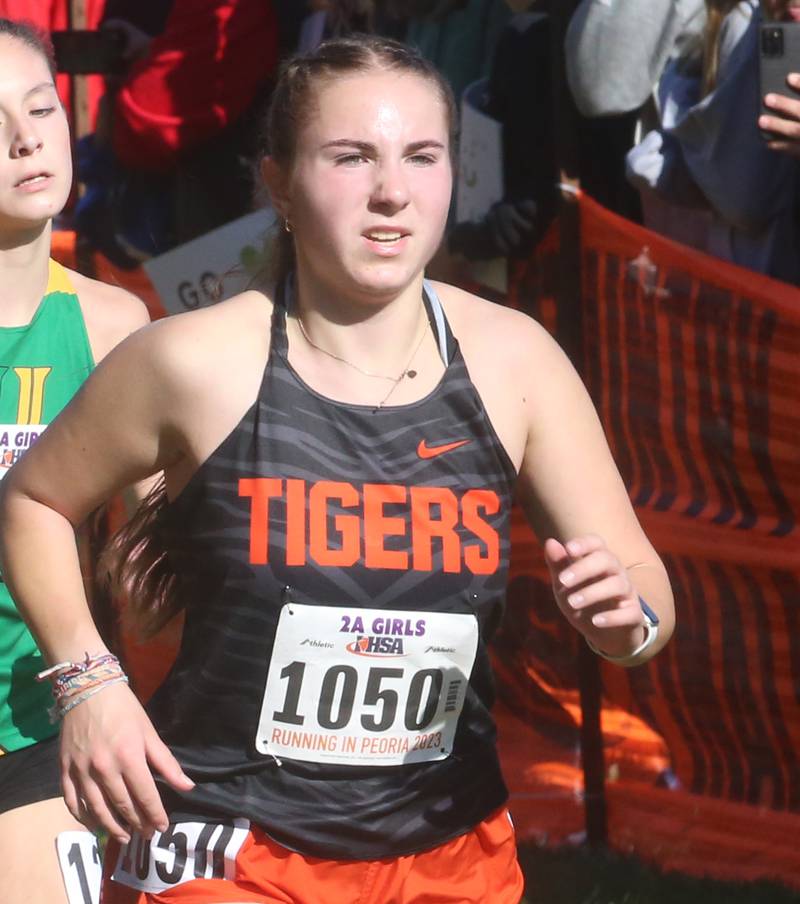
(667, 109)
(711, 171)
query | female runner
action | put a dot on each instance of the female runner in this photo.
(339, 457)
(54, 326)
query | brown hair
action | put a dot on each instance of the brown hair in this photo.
(716, 11)
(32, 37)
(293, 98)
(135, 568)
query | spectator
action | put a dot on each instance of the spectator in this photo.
(391, 18)
(519, 96)
(458, 36)
(334, 18)
(290, 15)
(708, 153)
(181, 131)
(785, 123)
(616, 50)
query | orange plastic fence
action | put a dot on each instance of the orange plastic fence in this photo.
(694, 366)
(63, 249)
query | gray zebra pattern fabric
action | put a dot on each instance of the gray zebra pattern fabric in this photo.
(312, 502)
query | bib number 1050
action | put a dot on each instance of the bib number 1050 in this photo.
(336, 695)
(340, 694)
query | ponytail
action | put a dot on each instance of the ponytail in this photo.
(136, 569)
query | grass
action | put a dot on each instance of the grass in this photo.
(587, 876)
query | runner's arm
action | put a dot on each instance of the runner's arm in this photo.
(599, 558)
(97, 446)
(111, 314)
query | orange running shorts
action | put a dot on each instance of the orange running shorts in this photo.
(204, 863)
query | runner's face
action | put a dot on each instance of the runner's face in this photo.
(35, 157)
(370, 188)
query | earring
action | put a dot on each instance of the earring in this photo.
(287, 224)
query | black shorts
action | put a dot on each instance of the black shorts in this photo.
(30, 775)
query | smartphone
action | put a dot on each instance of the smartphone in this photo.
(779, 54)
(82, 52)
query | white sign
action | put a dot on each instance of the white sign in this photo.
(214, 266)
(480, 179)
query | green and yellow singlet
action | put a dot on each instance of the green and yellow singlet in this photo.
(42, 365)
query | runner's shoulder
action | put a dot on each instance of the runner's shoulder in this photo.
(189, 348)
(490, 328)
(110, 312)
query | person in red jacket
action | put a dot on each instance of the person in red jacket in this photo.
(196, 79)
(170, 159)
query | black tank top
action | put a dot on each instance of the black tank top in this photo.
(341, 557)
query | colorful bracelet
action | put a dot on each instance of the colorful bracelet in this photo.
(74, 682)
(58, 711)
(70, 669)
(65, 684)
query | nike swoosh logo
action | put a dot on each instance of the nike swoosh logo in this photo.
(426, 451)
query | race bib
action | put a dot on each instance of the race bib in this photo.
(186, 851)
(79, 860)
(15, 440)
(366, 686)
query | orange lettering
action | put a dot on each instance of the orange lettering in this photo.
(295, 522)
(321, 527)
(472, 503)
(377, 526)
(260, 490)
(346, 525)
(425, 528)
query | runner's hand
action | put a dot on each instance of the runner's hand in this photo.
(593, 590)
(108, 749)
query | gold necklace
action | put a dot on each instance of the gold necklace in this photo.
(405, 372)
